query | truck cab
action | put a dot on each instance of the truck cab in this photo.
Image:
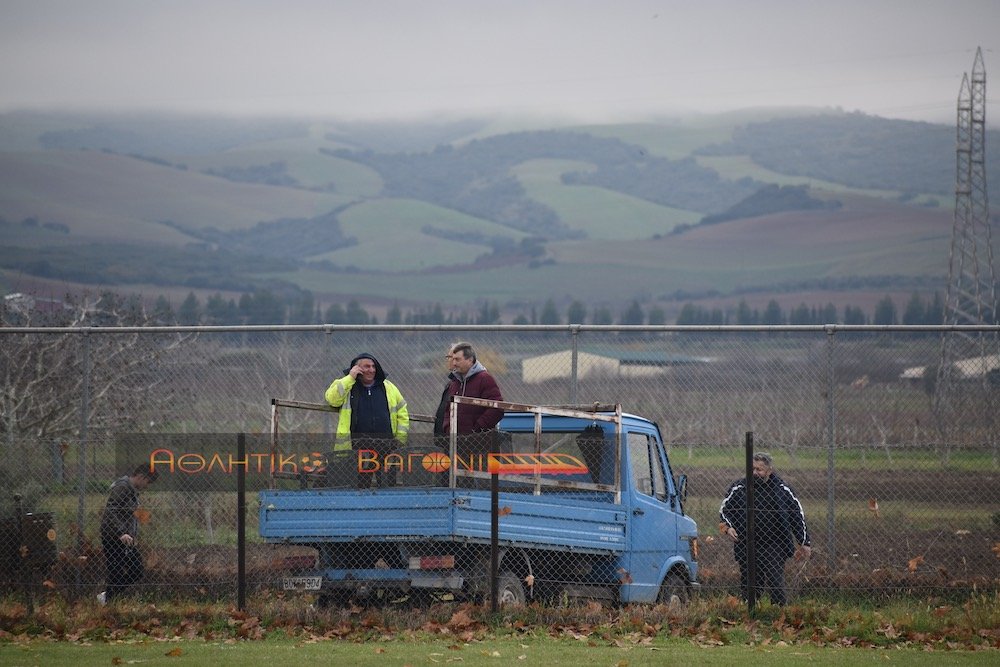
(659, 556)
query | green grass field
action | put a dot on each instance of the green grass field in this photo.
(602, 214)
(304, 163)
(499, 651)
(714, 631)
(388, 231)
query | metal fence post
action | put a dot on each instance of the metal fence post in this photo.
(751, 541)
(494, 539)
(328, 418)
(575, 354)
(831, 430)
(241, 522)
(81, 464)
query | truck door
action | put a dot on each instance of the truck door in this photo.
(652, 524)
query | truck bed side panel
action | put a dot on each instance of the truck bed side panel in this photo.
(345, 515)
(557, 521)
(554, 521)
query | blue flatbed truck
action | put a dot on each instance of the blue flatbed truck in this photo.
(588, 508)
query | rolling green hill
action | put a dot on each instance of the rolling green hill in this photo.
(465, 212)
(105, 197)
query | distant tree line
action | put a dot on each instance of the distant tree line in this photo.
(289, 238)
(33, 222)
(768, 200)
(267, 307)
(195, 266)
(677, 183)
(918, 311)
(272, 173)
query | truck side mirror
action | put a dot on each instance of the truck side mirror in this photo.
(682, 488)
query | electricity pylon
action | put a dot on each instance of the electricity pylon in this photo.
(966, 356)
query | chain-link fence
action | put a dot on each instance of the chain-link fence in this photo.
(897, 473)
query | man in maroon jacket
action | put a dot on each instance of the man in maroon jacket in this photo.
(468, 377)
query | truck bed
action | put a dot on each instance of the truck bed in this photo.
(574, 521)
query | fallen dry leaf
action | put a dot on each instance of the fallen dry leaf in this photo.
(503, 511)
(914, 563)
(889, 631)
(460, 620)
(873, 507)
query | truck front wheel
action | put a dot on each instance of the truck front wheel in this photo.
(674, 590)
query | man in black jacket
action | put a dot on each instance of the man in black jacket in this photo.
(778, 519)
(120, 532)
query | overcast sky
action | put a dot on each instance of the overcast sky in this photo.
(594, 59)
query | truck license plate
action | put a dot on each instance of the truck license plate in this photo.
(302, 583)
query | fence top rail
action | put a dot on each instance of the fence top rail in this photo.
(589, 411)
(538, 328)
(325, 407)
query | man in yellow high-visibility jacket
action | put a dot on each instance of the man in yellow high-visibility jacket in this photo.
(373, 414)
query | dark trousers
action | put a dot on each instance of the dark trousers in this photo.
(124, 566)
(770, 577)
(382, 447)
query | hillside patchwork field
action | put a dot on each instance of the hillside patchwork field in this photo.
(463, 234)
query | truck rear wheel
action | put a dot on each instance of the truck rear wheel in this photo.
(510, 590)
(674, 590)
